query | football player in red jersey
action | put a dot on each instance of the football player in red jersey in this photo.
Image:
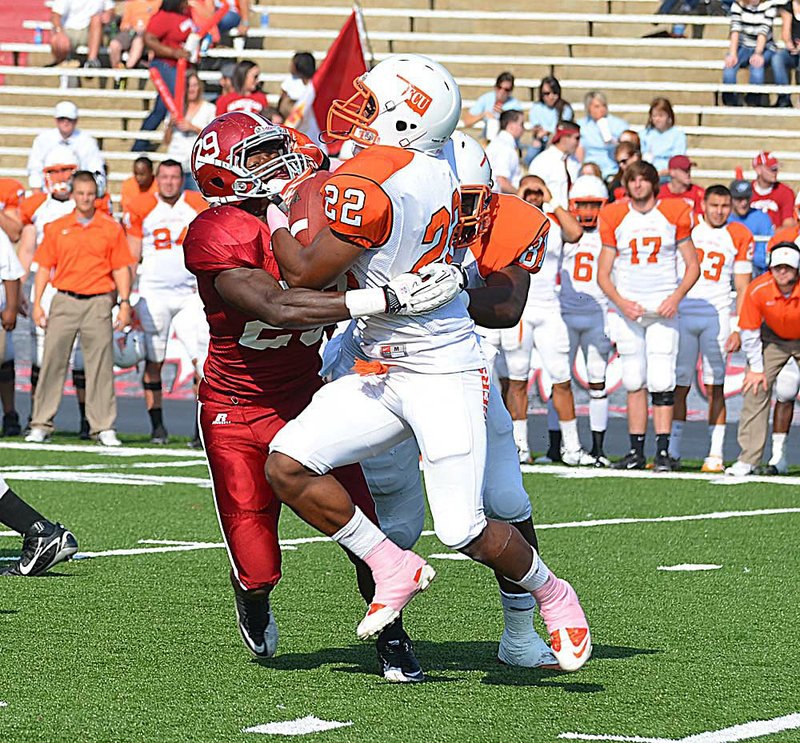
(263, 361)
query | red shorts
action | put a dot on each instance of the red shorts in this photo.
(236, 436)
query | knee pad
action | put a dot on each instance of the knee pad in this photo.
(598, 394)
(507, 502)
(7, 372)
(152, 386)
(663, 399)
(457, 536)
(402, 526)
(79, 379)
(634, 374)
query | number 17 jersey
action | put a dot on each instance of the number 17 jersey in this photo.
(247, 359)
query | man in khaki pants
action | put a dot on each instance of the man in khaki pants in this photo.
(87, 254)
(770, 330)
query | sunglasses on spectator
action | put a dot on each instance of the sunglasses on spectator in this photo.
(549, 92)
(532, 192)
(623, 160)
(503, 87)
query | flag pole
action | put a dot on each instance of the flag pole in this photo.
(369, 61)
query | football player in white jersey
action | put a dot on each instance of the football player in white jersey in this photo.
(36, 211)
(641, 240)
(543, 328)
(391, 208)
(725, 254)
(168, 300)
(584, 306)
(787, 387)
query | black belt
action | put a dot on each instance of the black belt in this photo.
(75, 295)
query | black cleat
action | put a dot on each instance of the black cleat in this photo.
(195, 443)
(256, 623)
(663, 462)
(159, 435)
(84, 433)
(45, 545)
(11, 426)
(631, 461)
(397, 660)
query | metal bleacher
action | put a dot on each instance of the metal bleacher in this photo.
(586, 44)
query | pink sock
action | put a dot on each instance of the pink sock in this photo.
(384, 558)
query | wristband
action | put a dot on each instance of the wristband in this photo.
(124, 301)
(363, 302)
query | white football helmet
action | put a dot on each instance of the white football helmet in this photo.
(129, 348)
(587, 197)
(60, 164)
(475, 175)
(406, 101)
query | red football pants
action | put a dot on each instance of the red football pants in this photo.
(236, 438)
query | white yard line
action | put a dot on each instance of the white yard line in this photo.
(104, 451)
(687, 567)
(746, 731)
(303, 726)
(102, 478)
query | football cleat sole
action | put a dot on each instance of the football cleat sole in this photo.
(572, 647)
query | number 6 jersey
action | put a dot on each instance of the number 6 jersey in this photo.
(247, 358)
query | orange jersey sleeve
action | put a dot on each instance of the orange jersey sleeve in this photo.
(29, 205)
(785, 234)
(609, 218)
(679, 213)
(138, 209)
(517, 236)
(742, 240)
(45, 254)
(11, 193)
(195, 200)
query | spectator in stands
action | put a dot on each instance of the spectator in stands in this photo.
(591, 169)
(11, 271)
(135, 17)
(770, 332)
(226, 77)
(625, 154)
(545, 115)
(769, 195)
(661, 139)
(293, 88)
(489, 106)
(680, 186)
(557, 165)
(77, 23)
(751, 44)
(790, 33)
(754, 219)
(165, 36)
(181, 135)
(246, 94)
(142, 181)
(600, 132)
(89, 255)
(238, 16)
(629, 135)
(503, 152)
(66, 132)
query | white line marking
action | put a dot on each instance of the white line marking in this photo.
(3, 704)
(8, 534)
(106, 478)
(448, 556)
(688, 567)
(586, 473)
(303, 726)
(104, 451)
(745, 731)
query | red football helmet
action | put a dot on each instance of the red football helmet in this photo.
(220, 154)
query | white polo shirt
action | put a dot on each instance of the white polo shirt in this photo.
(504, 158)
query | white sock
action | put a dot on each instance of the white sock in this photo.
(537, 576)
(598, 413)
(552, 416)
(778, 446)
(518, 610)
(569, 435)
(717, 432)
(359, 535)
(675, 439)
(521, 434)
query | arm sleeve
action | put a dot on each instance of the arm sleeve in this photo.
(132, 222)
(45, 253)
(750, 316)
(608, 234)
(478, 107)
(684, 224)
(10, 267)
(212, 247)
(743, 240)
(358, 210)
(736, 18)
(751, 344)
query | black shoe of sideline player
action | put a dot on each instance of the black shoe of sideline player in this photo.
(663, 462)
(631, 461)
(45, 545)
(397, 660)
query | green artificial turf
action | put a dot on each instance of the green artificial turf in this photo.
(145, 647)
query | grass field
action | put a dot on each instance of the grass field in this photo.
(142, 646)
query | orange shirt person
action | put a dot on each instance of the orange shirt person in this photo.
(85, 255)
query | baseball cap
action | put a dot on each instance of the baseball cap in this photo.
(785, 254)
(227, 70)
(680, 162)
(66, 110)
(764, 158)
(741, 190)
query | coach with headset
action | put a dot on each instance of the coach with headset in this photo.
(769, 323)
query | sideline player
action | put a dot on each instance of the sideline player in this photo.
(156, 224)
(259, 373)
(584, 306)
(425, 376)
(641, 239)
(43, 543)
(725, 254)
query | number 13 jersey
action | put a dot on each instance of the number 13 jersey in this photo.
(401, 207)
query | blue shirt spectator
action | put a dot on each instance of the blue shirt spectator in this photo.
(755, 220)
(661, 139)
(489, 106)
(600, 133)
(545, 115)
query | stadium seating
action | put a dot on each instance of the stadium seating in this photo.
(586, 44)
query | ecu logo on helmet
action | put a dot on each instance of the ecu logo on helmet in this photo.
(418, 100)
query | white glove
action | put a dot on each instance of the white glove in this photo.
(276, 219)
(440, 283)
